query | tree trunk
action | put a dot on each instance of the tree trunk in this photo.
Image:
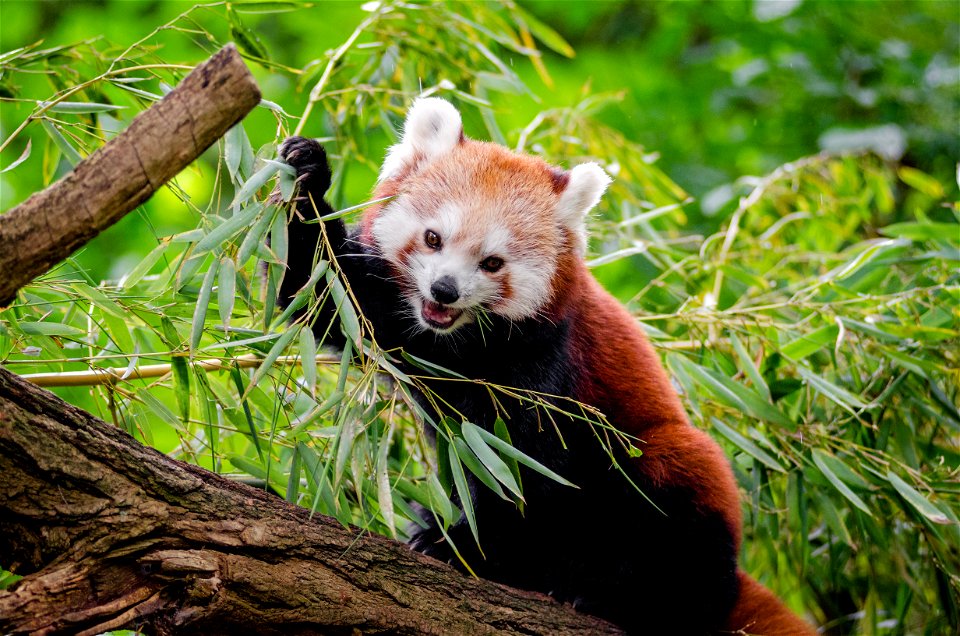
(159, 143)
(112, 534)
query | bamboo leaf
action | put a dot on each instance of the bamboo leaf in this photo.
(818, 460)
(181, 386)
(746, 363)
(78, 108)
(747, 446)
(838, 394)
(226, 287)
(278, 347)
(200, 310)
(349, 321)
(308, 360)
(463, 490)
(51, 329)
(526, 460)
(915, 499)
(256, 181)
(225, 230)
(23, 157)
(473, 464)
(490, 460)
(69, 152)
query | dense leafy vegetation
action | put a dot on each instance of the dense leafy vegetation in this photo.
(809, 315)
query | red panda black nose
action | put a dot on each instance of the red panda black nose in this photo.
(444, 290)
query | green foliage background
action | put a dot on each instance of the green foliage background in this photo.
(783, 223)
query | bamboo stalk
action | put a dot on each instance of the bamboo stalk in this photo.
(112, 375)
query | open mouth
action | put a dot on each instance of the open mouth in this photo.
(439, 316)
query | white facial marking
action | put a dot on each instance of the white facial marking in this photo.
(394, 229)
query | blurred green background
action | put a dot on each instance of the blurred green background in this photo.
(718, 90)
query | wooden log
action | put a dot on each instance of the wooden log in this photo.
(123, 173)
(111, 534)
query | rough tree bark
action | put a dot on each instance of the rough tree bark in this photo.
(122, 174)
(112, 534)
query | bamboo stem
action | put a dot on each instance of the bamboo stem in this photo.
(112, 375)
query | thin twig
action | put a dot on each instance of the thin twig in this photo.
(112, 375)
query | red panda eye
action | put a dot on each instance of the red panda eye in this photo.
(432, 239)
(491, 263)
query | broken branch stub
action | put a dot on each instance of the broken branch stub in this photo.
(124, 172)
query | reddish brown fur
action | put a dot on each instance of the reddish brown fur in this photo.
(638, 399)
(759, 612)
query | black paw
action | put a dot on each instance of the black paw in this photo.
(433, 544)
(310, 161)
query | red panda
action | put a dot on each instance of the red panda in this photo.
(476, 264)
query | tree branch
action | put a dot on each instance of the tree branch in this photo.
(159, 143)
(112, 534)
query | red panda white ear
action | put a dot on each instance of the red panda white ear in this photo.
(586, 183)
(432, 129)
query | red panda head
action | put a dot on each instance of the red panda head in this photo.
(474, 227)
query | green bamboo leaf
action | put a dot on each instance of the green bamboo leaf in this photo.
(921, 181)
(225, 230)
(278, 347)
(354, 208)
(426, 365)
(810, 343)
(119, 332)
(349, 431)
(287, 183)
(279, 238)
(527, 461)
(200, 310)
(69, 152)
(489, 458)
(463, 491)
(444, 476)
(845, 473)
(469, 458)
(255, 236)
(818, 460)
(735, 394)
(501, 431)
(439, 502)
(839, 395)
(293, 476)
(181, 386)
(746, 363)
(23, 157)
(256, 181)
(247, 465)
(926, 231)
(247, 414)
(915, 499)
(384, 492)
(349, 321)
(550, 38)
(100, 300)
(308, 359)
(233, 151)
(747, 446)
(78, 108)
(158, 408)
(51, 329)
(304, 295)
(226, 287)
(832, 516)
